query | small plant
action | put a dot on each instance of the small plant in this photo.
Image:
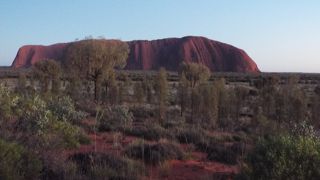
(189, 152)
(117, 140)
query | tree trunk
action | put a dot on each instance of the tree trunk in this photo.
(97, 89)
(107, 92)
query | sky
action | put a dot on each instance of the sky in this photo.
(279, 35)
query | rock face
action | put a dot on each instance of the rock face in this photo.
(151, 55)
(30, 54)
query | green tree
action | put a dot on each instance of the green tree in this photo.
(294, 105)
(138, 92)
(147, 86)
(48, 72)
(162, 92)
(209, 104)
(125, 84)
(183, 94)
(96, 59)
(110, 83)
(269, 97)
(113, 93)
(73, 88)
(192, 75)
(240, 96)
(195, 104)
(315, 106)
(195, 73)
(224, 98)
(22, 84)
(121, 93)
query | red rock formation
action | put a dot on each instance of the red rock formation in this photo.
(151, 55)
(30, 54)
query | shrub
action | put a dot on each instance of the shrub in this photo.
(165, 169)
(70, 135)
(8, 102)
(55, 166)
(63, 108)
(143, 112)
(212, 145)
(105, 166)
(116, 118)
(35, 116)
(195, 136)
(41, 127)
(285, 157)
(223, 153)
(17, 163)
(149, 131)
(62, 171)
(154, 153)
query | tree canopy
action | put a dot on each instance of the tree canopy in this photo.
(195, 73)
(96, 59)
(47, 71)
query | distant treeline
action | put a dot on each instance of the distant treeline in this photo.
(230, 77)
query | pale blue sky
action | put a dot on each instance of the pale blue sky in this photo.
(280, 35)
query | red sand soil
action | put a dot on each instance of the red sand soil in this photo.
(104, 142)
(191, 169)
(151, 55)
(194, 168)
(197, 167)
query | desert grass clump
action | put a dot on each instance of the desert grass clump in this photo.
(115, 118)
(143, 111)
(71, 136)
(155, 153)
(55, 166)
(107, 166)
(212, 145)
(149, 131)
(165, 169)
(196, 136)
(224, 154)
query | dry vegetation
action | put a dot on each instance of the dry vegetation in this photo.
(157, 125)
